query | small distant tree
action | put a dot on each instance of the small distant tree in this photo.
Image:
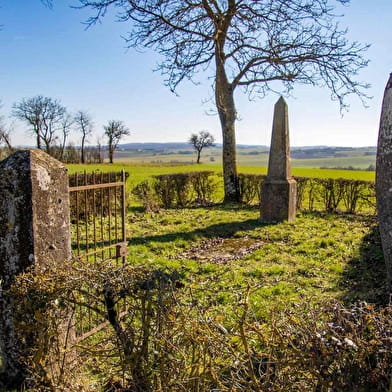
(99, 148)
(5, 142)
(115, 131)
(84, 125)
(5, 139)
(44, 115)
(66, 126)
(203, 140)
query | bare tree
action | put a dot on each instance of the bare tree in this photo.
(66, 126)
(99, 148)
(85, 126)
(115, 131)
(5, 139)
(44, 115)
(199, 141)
(243, 43)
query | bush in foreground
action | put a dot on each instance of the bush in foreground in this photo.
(172, 337)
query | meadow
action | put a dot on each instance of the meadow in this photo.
(253, 156)
(140, 171)
(246, 291)
(311, 258)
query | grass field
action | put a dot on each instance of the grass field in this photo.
(228, 260)
(312, 258)
(317, 257)
(139, 171)
(359, 158)
(314, 248)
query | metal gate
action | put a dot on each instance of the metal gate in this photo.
(98, 230)
(98, 214)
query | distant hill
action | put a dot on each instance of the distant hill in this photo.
(297, 152)
(153, 146)
(174, 146)
(251, 155)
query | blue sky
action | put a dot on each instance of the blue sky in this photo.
(49, 52)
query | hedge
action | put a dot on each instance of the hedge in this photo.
(322, 194)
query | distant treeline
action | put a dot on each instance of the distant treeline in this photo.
(371, 167)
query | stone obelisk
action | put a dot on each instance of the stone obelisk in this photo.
(279, 190)
(384, 179)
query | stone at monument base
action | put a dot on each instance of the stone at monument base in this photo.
(278, 202)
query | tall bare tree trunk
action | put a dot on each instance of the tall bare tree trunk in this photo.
(224, 96)
(38, 142)
(82, 157)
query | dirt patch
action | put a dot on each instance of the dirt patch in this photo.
(222, 250)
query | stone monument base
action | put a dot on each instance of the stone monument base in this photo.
(278, 200)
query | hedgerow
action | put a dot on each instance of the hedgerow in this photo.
(324, 194)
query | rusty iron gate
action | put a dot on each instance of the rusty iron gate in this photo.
(98, 229)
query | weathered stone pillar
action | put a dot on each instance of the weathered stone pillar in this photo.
(384, 179)
(279, 190)
(34, 232)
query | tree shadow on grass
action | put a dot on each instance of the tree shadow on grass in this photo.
(364, 278)
(220, 230)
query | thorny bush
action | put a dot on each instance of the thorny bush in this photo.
(163, 333)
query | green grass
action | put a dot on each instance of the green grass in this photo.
(308, 259)
(315, 258)
(359, 158)
(139, 171)
(224, 251)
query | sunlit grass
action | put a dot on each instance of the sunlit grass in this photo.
(139, 171)
(312, 259)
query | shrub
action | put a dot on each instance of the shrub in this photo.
(181, 189)
(250, 187)
(173, 189)
(171, 338)
(204, 186)
(302, 185)
(353, 193)
(334, 348)
(164, 190)
(331, 193)
(144, 192)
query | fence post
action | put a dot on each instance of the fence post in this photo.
(34, 232)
